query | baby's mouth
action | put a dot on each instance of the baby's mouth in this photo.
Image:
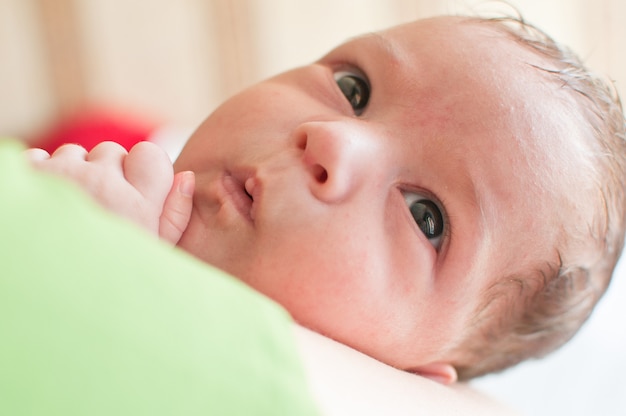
(248, 194)
(251, 188)
(240, 194)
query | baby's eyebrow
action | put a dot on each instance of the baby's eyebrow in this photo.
(386, 45)
(380, 42)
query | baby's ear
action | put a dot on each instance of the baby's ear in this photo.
(440, 372)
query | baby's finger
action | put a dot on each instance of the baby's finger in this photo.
(177, 208)
(36, 155)
(107, 152)
(70, 151)
(148, 168)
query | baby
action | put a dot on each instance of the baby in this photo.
(446, 196)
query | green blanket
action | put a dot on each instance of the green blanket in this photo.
(99, 318)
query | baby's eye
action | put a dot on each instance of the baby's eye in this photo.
(355, 88)
(427, 216)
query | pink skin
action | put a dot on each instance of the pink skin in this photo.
(305, 201)
(139, 185)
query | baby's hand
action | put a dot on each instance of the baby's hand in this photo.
(139, 185)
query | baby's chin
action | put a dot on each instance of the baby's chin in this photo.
(234, 263)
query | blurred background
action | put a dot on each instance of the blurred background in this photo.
(172, 62)
(159, 67)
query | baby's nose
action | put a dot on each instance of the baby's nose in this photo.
(339, 156)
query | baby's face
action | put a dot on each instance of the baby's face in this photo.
(379, 215)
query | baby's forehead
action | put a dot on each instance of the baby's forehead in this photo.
(486, 77)
(477, 37)
(527, 103)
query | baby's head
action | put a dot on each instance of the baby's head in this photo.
(447, 193)
(529, 313)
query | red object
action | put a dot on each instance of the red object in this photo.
(92, 127)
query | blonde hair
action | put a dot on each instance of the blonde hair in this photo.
(530, 315)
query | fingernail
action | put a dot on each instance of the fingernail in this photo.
(187, 183)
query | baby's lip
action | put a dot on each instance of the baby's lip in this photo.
(240, 189)
(252, 189)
